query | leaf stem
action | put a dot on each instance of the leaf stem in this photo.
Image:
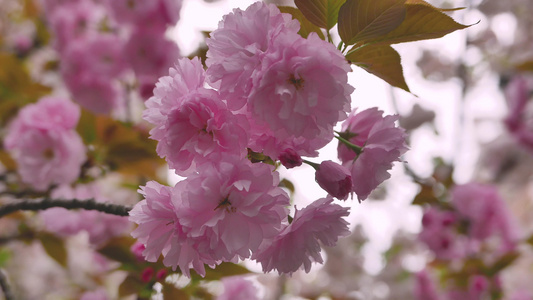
(89, 204)
(348, 144)
(312, 164)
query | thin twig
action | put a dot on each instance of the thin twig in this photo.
(8, 294)
(90, 204)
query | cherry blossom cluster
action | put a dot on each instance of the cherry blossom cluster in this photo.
(478, 216)
(43, 141)
(103, 44)
(519, 121)
(267, 95)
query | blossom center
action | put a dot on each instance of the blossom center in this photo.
(48, 153)
(225, 204)
(297, 82)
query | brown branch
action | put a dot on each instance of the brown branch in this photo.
(6, 289)
(89, 204)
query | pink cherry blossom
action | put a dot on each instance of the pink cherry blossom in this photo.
(187, 77)
(236, 48)
(149, 53)
(297, 246)
(334, 179)
(486, 213)
(302, 87)
(519, 121)
(438, 233)
(44, 144)
(94, 295)
(425, 287)
(231, 207)
(74, 20)
(161, 232)
(154, 13)
(197, 125)
(99, 95)
(99, 55)
(383, 143)
(238, 288)
(99, 226)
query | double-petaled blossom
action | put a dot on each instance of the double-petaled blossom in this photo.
(382, 143)
(334, 179)
(197, 124)
(98, 225)
(297, 246)
(485, 211)
(237, 46)
(154, 13)
(224, 212)
(161, 232)
(43, 142)
(231, 207)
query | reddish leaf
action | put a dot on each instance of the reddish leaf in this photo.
(361, 20)
(306, 27)
(322, 13)
(171, 292)
(382, 61)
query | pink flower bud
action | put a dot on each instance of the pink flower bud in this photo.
(147, 274)
(137, 249)
(334, 179)
(161, 274)
(290, 159)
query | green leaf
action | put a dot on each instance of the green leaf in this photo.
(172, 292)
(382, 61)
(54, 247)
(130, 285)
(5, 255)
(422, 22)
(322, 13)
(306, 27)
(87, 127)
(361, 20)
(425, 3)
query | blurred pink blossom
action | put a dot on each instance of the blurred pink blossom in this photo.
(334, 179)
(238, 288)
(94, 295)
(44, 144)
(425, 287)
(486, 213)
(297, 246)
(99, 226)
(438, 233)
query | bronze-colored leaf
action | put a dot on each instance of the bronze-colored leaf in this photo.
(118, 249)
(54, 247)
(422, 22)
(322, 13)
(361, 20)
(130, 285)
(502, 263)
(225, 269)
(171, 292)
(382, 61)
(425, 3)
(525, 66)
(306, 27)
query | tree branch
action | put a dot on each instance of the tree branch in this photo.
(8, 294)
(89, 204)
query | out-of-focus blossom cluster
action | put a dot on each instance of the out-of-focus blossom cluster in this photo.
(43, 141)
(477, 225)
(519, 121)
(109, 47)
(267, 94)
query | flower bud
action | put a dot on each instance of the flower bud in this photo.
(290, 159)
(334, 179)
